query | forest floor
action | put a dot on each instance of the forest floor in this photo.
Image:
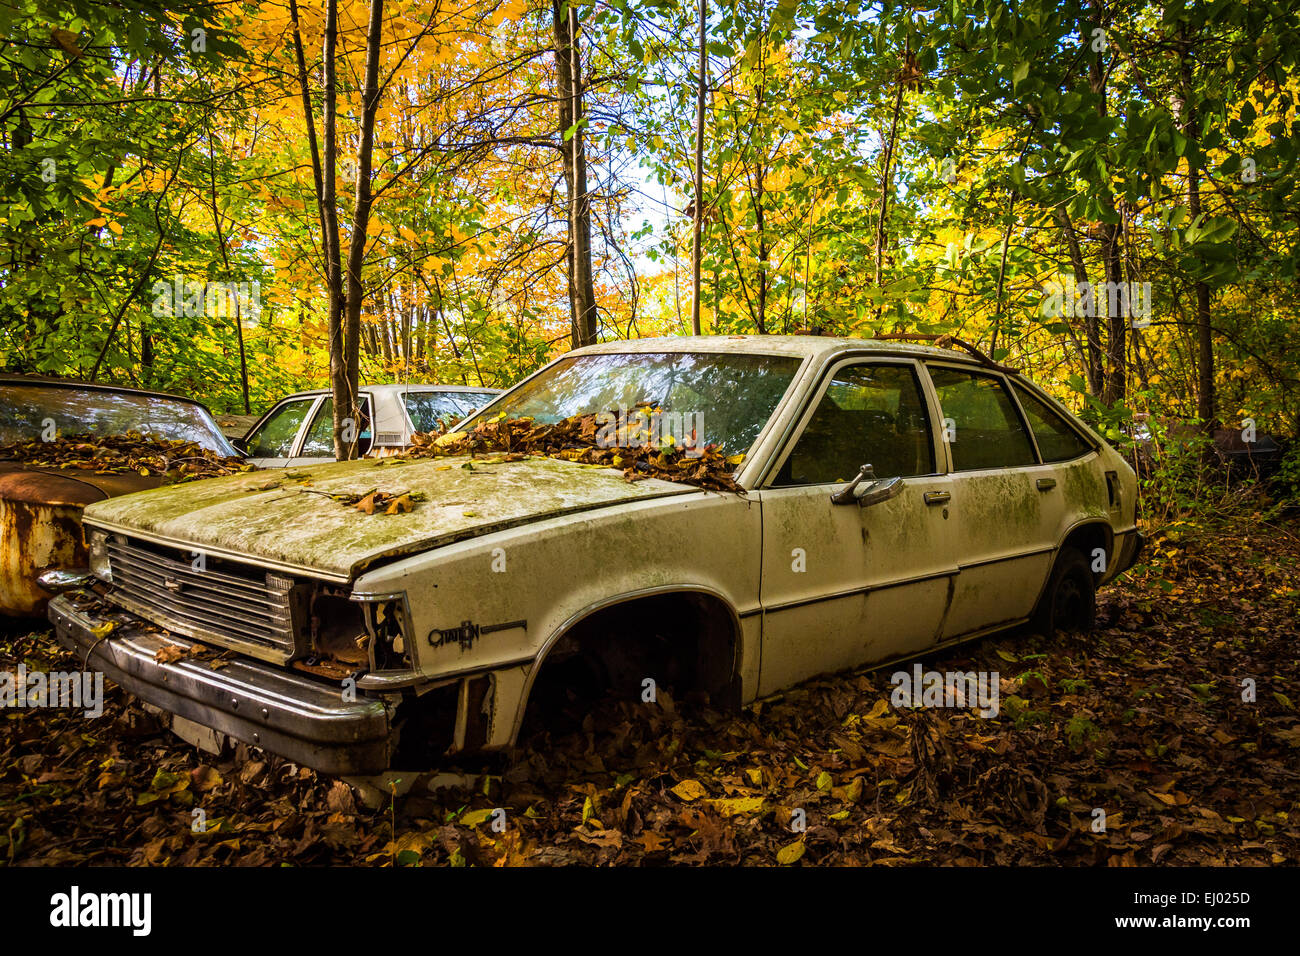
(1141, 724)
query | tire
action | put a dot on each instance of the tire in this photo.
(1069, 604)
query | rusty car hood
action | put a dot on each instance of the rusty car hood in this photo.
(65, 486)
(287, 519)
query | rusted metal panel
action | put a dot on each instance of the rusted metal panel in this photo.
(35, 537)
(40, 526)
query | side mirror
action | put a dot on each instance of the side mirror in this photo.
(866, 489)
(879, 491)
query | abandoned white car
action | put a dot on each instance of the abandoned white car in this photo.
(888, 500)
(299, 429)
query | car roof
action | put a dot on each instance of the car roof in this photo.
(392, 388)
(11, 378)
(799, 346)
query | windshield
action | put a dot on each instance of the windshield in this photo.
(28, 410)
(430, 410)
(698, 398)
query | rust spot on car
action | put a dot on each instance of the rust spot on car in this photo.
(40, 526)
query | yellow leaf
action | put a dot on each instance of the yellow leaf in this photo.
(689, 790)
(114, 228)
(476, 817)
(736, 805)
(790, 853)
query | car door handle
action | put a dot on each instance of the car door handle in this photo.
(1046, 484)
(937, 497)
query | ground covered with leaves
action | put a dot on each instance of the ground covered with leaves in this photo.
(1143, 721)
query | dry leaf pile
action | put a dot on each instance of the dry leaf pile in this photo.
(122, 454)
(1144, 720)
(576, 439)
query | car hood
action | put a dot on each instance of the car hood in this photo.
(288, 519)
(65, 486)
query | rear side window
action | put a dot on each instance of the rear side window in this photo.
(320, 439)
(430, 410)
(870, 414)
(981, 424)
(1057, 441)
(473, 401)
(274, 437)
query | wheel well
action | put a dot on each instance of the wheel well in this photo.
(1089, 537)
(687, 641)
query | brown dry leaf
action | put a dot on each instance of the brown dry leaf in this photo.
(169, 654)
(205, 778)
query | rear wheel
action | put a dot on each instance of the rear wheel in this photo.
(1070, 602)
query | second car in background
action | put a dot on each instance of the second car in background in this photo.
(298, 430)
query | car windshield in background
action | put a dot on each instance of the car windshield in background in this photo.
(430, 409)
(27, 409)
(724, 399)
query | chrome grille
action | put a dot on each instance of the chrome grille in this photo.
(230, 605)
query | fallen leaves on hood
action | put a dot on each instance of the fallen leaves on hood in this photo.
(580, 439)
(122, 454)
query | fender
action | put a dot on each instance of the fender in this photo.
(581, 615)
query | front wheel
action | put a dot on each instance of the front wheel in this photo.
(1070, 602)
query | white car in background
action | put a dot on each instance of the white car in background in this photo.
(298, 430)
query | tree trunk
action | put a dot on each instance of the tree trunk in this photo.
(698, 218)
(330, 239)
(568, 69)
(1205, 397)
(347, 380)
(1093, 368)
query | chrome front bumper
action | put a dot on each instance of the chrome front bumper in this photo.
(303, 720)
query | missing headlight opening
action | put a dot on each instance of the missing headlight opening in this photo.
(389, 650)
(338, 637)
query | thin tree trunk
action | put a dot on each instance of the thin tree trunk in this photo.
(699, 174)
(568, 61)
(1205, 397)
(330, 239)
(345, 387)
(1093, 370)
(887, 182)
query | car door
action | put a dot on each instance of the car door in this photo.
(1006, 506)
(318, 441)
(842, 584)
(270, 443)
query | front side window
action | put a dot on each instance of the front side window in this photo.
(869, 414)
(1057, 441)
(274, 437)
(981, 425)
(320, 437)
